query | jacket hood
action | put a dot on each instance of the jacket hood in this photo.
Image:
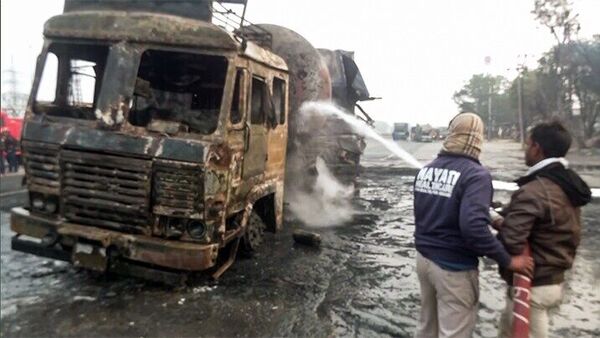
(570, 182)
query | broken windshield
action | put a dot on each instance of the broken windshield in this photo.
(71, 80)
(182, 91)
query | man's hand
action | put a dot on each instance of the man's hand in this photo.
(497, 205)
(522, 264)
(497, 219)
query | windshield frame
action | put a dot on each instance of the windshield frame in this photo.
(225, 101)
(37, 81)
(116, 92)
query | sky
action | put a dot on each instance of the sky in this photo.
(414, 54)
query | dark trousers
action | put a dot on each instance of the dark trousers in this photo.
(2, 169)
(13, 162)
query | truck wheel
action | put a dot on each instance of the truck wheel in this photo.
(253, 237)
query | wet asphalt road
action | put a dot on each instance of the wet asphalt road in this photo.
(361, 282)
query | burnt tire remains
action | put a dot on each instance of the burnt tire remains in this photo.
(254, 235)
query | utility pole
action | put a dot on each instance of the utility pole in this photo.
(10, 79)
(490, 127)
(520, 69)
(490, 119)
(520, 99)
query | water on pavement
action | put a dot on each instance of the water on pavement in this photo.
(361, 281)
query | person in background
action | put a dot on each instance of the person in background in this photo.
(2, 150)
(452, 196)
(10, 147)
(546, 213)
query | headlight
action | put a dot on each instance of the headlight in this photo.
(44, 203)
(174, 227)
(37, 202)
(196, 229)
(51, 205)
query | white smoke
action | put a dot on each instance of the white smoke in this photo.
(316, 198)
(328, 203)
(360, 127)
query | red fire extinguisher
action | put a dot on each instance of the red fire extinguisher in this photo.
(521, 303)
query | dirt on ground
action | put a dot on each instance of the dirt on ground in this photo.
(360, 282)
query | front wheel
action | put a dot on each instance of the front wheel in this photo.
(253, 237)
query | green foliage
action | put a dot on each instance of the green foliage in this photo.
(473, 97)
(558, 16)
(565, 83)
(538, 95)
(582, 68)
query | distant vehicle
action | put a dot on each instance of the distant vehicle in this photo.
(400, 131)
(426, 138)
(442, 133)
(422, 133)
(13, 124)
(415, 133)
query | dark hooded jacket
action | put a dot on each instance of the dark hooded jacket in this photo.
(546, 212)
(452, 196)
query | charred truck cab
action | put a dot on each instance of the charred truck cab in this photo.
(153, 141)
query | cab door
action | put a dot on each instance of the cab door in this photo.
(277, 127)
(255, 156)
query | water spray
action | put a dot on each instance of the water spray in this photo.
(326, 108)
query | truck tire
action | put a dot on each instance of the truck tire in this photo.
(253, 237)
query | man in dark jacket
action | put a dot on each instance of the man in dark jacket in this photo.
(2, 150)
(10, 146)
(546, 213)
(451, 203)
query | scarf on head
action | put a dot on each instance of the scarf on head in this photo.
(465, 136)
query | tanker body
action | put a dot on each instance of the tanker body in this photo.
(154, 141)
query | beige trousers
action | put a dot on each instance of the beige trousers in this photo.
(449, 301)
(543, 298)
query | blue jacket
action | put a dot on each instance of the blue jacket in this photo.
(452, 196)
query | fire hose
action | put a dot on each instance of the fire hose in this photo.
(521, 302)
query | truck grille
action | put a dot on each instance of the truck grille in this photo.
(42, 167)
(177, 188)
(106, 191)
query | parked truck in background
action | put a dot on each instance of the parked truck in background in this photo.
(155, 142)
(14, 125)
(401, 131)
(421, 133)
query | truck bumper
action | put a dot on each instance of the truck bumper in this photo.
(96, 248)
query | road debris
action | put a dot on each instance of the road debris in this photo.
(306, 238)
(84, 298)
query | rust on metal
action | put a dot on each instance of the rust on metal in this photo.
(165, 135)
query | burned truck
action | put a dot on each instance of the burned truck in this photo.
(155, 140)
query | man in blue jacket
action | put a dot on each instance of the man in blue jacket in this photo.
(452, 196)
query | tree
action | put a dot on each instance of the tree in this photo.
(559, 18)
(540, 95)
(473, 97)
(583, 68)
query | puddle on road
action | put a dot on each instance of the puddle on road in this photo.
(360, 282)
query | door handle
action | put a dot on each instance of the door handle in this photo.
(246, 136)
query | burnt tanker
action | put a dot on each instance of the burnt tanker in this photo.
(157, 134)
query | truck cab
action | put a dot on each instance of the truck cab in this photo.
(400, 131)
(152, 142)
